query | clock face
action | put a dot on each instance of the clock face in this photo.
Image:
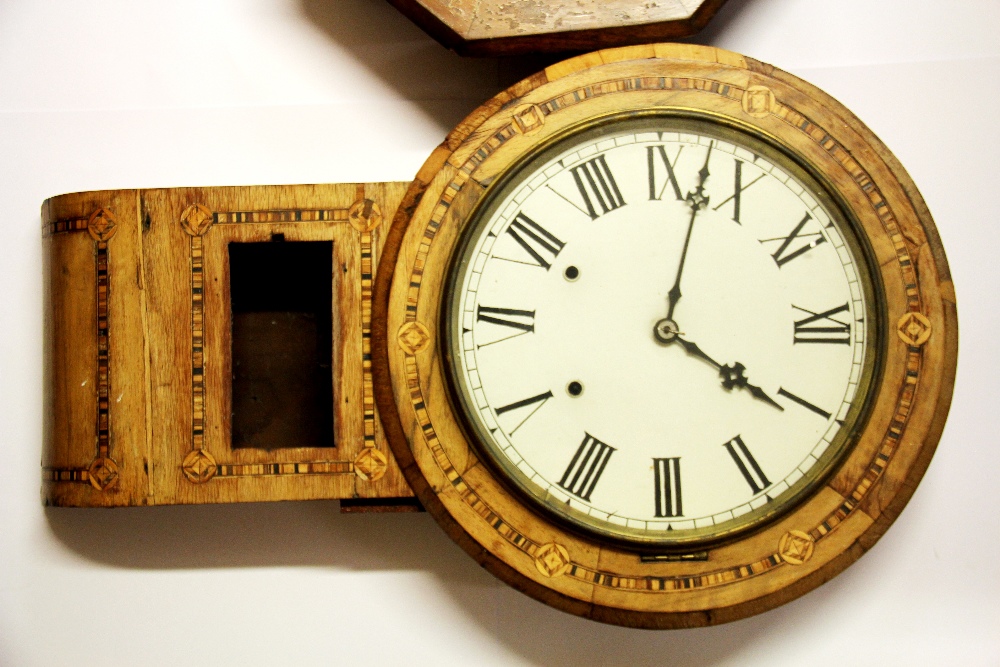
(661, 329)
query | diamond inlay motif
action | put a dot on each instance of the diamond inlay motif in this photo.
(914, 328)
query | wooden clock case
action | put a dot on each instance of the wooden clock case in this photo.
(141, 333)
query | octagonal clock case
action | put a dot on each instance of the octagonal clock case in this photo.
(663, 336)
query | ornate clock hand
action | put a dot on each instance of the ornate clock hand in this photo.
(735, 376)
(732, 376)
(698, 200)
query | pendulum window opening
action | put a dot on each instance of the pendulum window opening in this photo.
(281, 295)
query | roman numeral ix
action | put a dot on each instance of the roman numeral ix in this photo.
(667, 487)
(745, 461)
(656, 193)
(586, 467)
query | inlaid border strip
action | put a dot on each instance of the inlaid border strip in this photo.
(65, 225)
(366, 216)
(199, 465)
(102, 473)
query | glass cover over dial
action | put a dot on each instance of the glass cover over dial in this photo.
(661, 329)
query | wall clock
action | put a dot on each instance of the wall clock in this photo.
(663, 336)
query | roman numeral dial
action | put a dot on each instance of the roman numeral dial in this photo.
(735, 200)
(826, 328)
(667, 487)
(570, 386)
(660, 169)
(525, 408)
(796, 243)
(505, 323)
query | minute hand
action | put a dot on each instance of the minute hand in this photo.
(698, 200)
(732, 376)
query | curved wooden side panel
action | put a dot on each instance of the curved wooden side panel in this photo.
(139, 389)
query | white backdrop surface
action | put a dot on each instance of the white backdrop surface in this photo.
(129, 93)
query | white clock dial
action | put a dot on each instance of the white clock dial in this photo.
(659, 329)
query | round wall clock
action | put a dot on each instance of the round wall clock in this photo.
(663, 336)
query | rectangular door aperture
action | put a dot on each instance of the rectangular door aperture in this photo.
(282, 343)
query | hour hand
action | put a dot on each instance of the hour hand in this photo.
(735, 376)
(732, 376)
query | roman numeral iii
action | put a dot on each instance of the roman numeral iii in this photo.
(667, 487)
(747, 464)
(586, 467)
(822, 327)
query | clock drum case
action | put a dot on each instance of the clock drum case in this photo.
(513, 187)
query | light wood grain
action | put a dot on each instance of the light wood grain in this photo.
(165, 399)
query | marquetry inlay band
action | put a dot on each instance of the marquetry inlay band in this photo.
(199, 465)
(552, 560)
(795, 547)
(102, 473)
(758, 101)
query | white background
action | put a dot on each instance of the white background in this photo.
(126, 94)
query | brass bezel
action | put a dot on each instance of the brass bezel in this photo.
(811, 178)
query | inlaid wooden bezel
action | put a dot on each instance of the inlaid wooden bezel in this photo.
(587, 575)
